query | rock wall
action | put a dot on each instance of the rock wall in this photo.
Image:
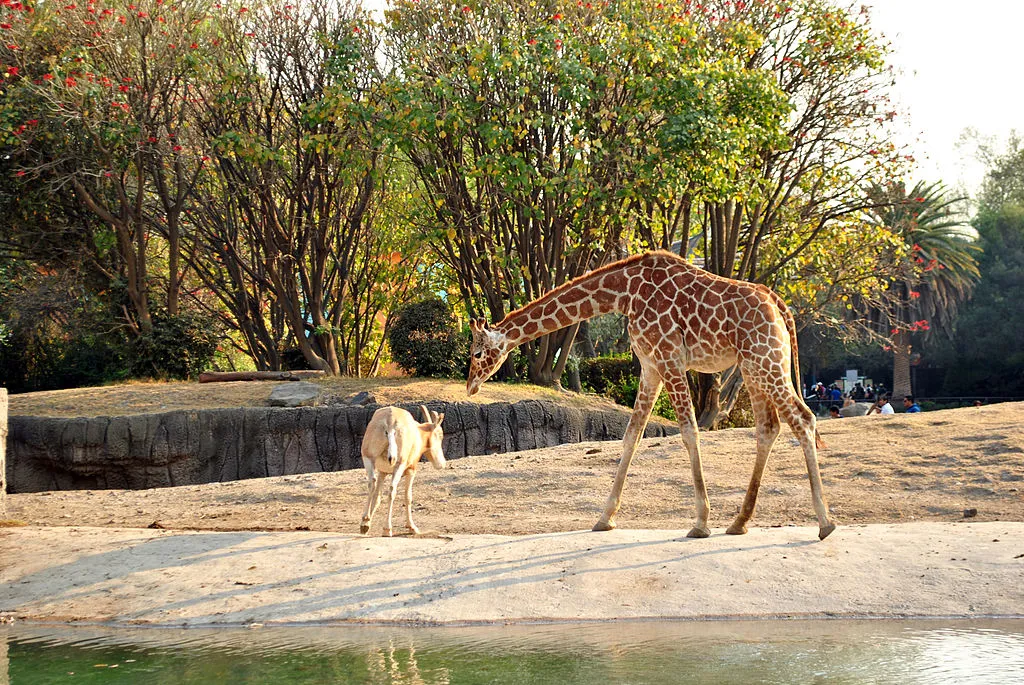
(204, 446)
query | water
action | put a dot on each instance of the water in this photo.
(904, 652)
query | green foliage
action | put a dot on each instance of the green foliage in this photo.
(603, 374)
(179, 347)
(426, 341)
(988, 358)
(624, 393)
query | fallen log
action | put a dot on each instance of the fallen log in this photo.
(221, 376)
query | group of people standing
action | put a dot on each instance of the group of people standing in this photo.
(877, 395)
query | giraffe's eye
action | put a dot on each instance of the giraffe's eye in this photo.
(478, 354)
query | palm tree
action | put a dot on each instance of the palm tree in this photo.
(937, 262)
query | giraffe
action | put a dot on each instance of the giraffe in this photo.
(680, 317)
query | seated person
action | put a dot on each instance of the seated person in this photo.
(910, 406)
(882, 406)
(833, 411)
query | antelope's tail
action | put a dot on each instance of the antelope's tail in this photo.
(392, 445)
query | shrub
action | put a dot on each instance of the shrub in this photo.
(625, 394)
(602, 374)
(426, 340)
(179, 347)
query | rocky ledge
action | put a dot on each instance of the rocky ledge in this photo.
(210, 445)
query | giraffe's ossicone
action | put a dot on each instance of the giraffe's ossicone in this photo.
(680, 317)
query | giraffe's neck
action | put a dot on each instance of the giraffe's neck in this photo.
(599, 292)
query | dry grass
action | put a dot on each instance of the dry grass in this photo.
(154, 397)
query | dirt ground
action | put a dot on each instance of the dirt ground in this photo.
(941, 466)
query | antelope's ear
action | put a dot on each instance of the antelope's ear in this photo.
(426, 414)
(438, 418)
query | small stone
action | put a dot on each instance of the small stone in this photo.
(970, 513)
(360, 399)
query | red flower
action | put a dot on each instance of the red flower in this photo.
(914, 294)
(5, 26)
(123, 89)
(12, 71)
(558, 44)
(532, 41)
(557, 16)
(47, 77)
(70, 82)
(19, 173)
(918, 199)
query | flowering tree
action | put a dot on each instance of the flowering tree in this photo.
(938, 267)
(107, 117)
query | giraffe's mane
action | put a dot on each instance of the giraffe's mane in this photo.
(599, 271)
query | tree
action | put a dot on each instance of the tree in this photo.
(938, 266)
(290, 202)
(107, 109)
(798, 191)
(986, 356)
(536, 130)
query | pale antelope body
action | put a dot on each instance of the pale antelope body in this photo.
(393, 443)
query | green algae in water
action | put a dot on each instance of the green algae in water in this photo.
(652, 653)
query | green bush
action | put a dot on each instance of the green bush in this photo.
(602, 374)
(624, 393)
(425, 340)
(179, 347)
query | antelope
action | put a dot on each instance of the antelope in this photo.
(393, 443)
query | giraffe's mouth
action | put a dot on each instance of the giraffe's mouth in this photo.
(472, 386)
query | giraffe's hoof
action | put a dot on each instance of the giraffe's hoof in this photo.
(389, 533)
(824, 531)
(699, 532)
(604, 525)
(414, 530)
(364, 528)
(736, 528)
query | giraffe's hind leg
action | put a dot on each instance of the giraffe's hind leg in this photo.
(802, 422)
(766, 419)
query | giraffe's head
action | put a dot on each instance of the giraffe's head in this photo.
(489, 350)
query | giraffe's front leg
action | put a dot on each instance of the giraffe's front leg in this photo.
(647, 393)
(679, 394)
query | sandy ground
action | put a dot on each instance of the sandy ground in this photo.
(930, 511)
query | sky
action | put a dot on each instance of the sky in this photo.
(958, 66)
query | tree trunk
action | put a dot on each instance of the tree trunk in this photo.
(705, 393)
(3, 453)
(901, 366)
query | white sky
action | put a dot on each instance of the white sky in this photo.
(958, 65)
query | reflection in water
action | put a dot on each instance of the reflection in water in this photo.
(917, 652)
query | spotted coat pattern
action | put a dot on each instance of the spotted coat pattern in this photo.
(680, 317)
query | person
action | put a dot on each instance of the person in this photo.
(835, 394)
(833, 412)
(910, 406)
(882, 406)
(858, 392)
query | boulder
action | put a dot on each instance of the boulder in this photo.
(295, 394)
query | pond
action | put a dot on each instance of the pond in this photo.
(799, 651)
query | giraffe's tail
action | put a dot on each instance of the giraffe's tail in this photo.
(787, 316)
